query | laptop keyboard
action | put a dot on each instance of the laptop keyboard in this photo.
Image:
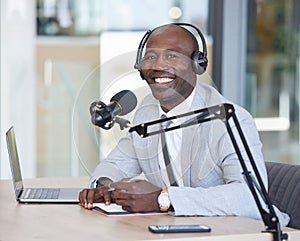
(43, 193)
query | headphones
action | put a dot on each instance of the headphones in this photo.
(199, 59)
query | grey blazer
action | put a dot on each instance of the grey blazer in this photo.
(211, 172)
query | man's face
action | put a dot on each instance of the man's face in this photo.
(167, 65)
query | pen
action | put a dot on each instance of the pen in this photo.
(110, 189)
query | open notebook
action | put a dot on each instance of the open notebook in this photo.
(114, 209)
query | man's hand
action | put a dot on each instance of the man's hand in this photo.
(136, 196)
(89, 196)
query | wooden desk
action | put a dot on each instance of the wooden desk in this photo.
(72, 222)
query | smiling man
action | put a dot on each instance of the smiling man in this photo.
(167, 67)
(206, 175)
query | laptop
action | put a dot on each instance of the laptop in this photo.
(35, 195)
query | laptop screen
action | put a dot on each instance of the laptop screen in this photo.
(14, 161)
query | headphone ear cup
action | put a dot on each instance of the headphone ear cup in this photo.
(141, 74)
(199, 62)
(138, 66)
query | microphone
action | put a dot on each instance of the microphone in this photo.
(103, 115)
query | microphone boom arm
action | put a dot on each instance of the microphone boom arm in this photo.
(224, 112)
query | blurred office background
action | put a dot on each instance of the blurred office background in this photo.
(58, 56)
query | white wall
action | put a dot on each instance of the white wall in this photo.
(18, 82)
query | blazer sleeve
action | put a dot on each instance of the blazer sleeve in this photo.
(120, 163)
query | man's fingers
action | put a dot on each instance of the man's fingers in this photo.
(120, 185)
(90, 198)
(82, 197)
(107, 196)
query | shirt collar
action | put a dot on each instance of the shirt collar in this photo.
(182, 108)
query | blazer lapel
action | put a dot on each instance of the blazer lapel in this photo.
(189, 150)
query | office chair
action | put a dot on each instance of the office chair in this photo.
(284, 189)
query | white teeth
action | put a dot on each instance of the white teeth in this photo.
(163, 80)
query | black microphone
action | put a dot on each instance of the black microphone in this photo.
(103, 115)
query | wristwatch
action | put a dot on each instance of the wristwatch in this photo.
(163, 200)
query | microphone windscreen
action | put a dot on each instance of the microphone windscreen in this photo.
(127, 101)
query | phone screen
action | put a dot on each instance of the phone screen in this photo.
(178, 228)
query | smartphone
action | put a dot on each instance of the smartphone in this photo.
(178, 228)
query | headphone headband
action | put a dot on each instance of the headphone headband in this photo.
(199, 59)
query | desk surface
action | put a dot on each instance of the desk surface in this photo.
(72, 222)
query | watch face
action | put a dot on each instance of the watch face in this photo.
(163, 200)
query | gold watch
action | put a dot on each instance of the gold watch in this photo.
(163, 200)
